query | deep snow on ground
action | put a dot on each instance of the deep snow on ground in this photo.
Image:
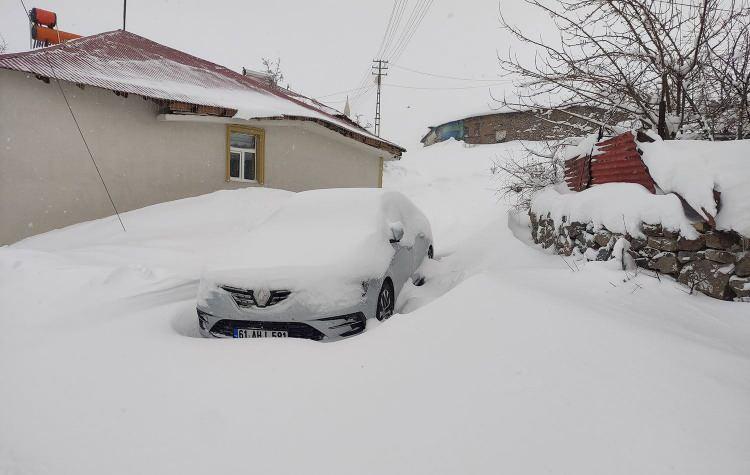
(505, 361)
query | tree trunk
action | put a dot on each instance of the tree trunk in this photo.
(741, 117)
(661, 127)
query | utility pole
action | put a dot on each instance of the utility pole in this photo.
(379, 69)
(124, 12)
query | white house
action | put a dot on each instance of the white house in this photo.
(161, 125)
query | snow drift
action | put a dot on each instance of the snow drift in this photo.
(619, 207)
(508, 363)
(695, 168)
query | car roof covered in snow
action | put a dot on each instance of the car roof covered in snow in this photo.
(128, 63)
(322, 227)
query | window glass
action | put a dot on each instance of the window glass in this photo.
(242, 140)
(249, 166)
(234, 164)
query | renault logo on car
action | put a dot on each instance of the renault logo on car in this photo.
(262, 296)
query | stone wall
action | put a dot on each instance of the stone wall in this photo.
(715, 263)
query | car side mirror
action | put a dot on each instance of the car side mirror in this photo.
(397, 231)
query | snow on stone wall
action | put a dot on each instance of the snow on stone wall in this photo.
(716, 263)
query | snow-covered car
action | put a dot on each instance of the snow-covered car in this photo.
(318, 267)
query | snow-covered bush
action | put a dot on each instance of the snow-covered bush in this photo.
(522, 175)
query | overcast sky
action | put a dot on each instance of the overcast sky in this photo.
(325, 46)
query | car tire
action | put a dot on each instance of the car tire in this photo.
(386, 301)
(430, 253)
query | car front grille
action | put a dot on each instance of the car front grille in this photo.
(244, 298)
(295, 329)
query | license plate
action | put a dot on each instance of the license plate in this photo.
(256, 333)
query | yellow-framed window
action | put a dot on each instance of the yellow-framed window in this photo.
(246, 155)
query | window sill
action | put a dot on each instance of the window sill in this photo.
(240, 180)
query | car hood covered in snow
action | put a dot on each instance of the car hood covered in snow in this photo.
(322, 245)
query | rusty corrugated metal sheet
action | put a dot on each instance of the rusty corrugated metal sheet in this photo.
(617, 161)
(120, 61)
(577, 173)
(620, 162)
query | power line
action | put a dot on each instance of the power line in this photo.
(402, 8)
(388, 28)
(393, 23)
(418, 21)
(446, 88)
(363, 94)
(399, 6)
(455, 78)
(70, 109)
(411, 21)
(341, 92)
(28, 17)
(54, 75)
(412, 24)
(407, 27)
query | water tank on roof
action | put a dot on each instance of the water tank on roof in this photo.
(43, 17)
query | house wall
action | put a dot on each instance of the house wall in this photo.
(526, 125)
(47, 179)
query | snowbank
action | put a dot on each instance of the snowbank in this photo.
(452, 184)
(511, 364)
(619, 207)
(694, 168)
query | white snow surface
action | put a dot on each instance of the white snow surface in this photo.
(619, 207)
(694, 168)
(505, 361)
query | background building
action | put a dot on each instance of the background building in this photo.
(495, 127)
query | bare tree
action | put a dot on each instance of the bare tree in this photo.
(273, 70)
(362, 123)
(642, 58)
(3, 44)
(522, 176)
(729, 71)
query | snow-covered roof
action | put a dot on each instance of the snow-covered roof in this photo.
(125, 62)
